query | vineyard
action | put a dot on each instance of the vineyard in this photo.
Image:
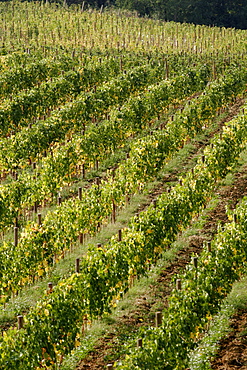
(95, 107)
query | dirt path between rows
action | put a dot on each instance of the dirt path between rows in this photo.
(233, 349)
(143, 311)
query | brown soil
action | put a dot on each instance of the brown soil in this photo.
(234, 350)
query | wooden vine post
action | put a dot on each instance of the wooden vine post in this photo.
(20, 322)
(209, 247)
(77, 265)
(113, 212)
(80, 193)
(50, 288)
(15, 236)
(158, 319)
(195, 263)
(85, 324)
(59, 200)
(119, 235)
(39, 219)
(81, 238)
(83, 171)
(139, 342)
(178, 284)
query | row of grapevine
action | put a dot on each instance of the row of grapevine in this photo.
(52, 328)
(20, 77)
(146, 157)
(17, 111)
(54, 171)
(44, 97)
(32, 257)
(19, 71)
(39, 25)
(74, 115)
(205, 283)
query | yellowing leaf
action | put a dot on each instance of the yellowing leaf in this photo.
(40, 272)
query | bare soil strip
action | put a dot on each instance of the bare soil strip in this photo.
(233, 349)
